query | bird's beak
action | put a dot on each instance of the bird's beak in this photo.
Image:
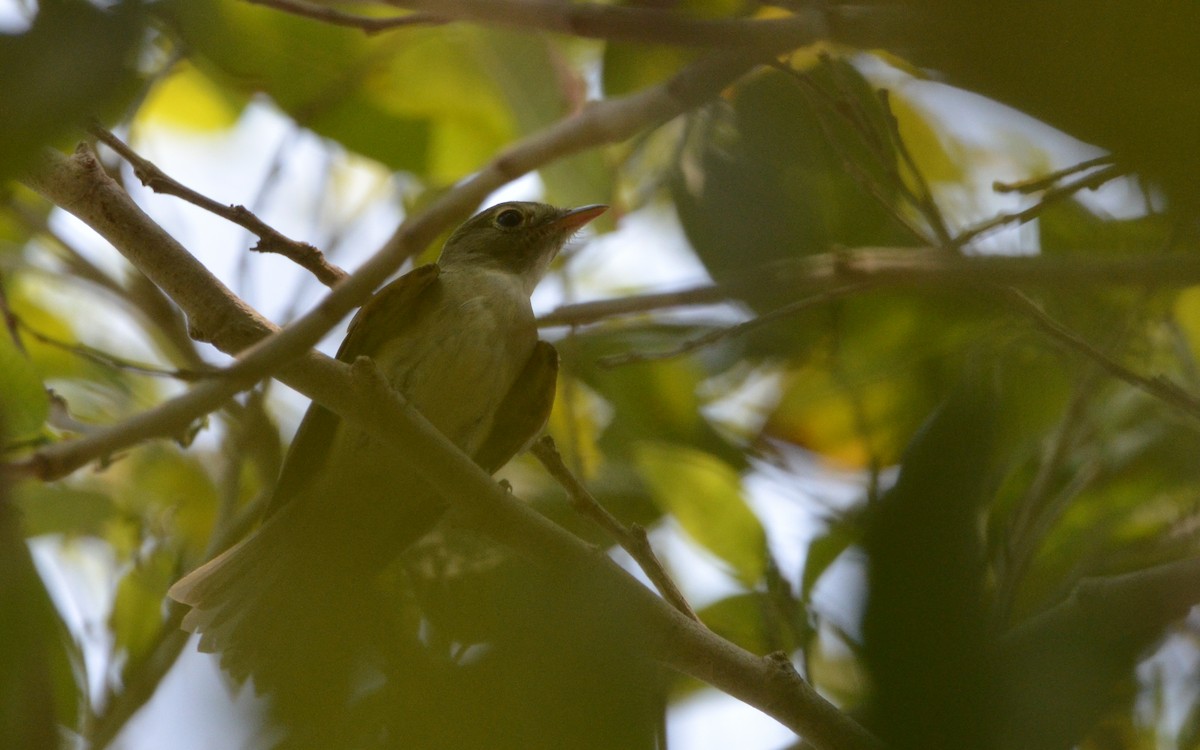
(575, 218)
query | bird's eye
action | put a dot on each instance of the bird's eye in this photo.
(509, 218)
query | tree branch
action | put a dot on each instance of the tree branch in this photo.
(367, 24)
(648, 25)
(719, 334)
(900, 267)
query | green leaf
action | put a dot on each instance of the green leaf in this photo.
(654, 401)
(764, 175)
(739, 619)
(435, 101)
(629, 66)
(24, 405)
(137, 615)
(38, 689)
(60, 508)
(827, 548)
(704, 494)
(74, 63)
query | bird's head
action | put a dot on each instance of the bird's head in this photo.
(517, 237)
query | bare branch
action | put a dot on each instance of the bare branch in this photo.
(367, 24)
(649, 25)
(1038, 184)
(900, 267)
(632, 540)
(720, 334)
(104, 359)
(1051, 196)
(270, 240)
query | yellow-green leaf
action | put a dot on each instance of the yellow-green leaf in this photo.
(137, 612)
(705, 495)
(23, 402)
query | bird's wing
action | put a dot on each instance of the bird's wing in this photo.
(382, 318)
(524, 410)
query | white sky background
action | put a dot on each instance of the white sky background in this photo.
(647, 251)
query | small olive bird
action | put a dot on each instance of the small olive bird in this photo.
(458, 338)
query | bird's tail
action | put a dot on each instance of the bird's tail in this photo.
(276, 606)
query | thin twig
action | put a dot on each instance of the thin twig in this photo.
(922, 197)
(1038, 184)
(1020, 543)
(112, 361)
(1160, 387)
(738, 329)
(632, 539)
(366, 24)
(844, 109)
(1052, 196)
(270, 239)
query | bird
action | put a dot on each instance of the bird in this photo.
(458, 338)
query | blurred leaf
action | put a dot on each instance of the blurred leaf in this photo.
(540, 87)
(1071, 664)
(760, 180)
(1067, 226)
(925, 623)
(888, 358)
(575, 423)
(171, 492)
(1125, 76)
(656, 400)
(74, 63)
(940, 157)
(425, 100)
(38, 691)
(838, 536)
(138, 609)
(24, 405)
(628, 67)
(188, 100)
(705, 496)
(739, 619)
(61, 508)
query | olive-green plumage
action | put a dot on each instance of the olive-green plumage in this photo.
(459, 340)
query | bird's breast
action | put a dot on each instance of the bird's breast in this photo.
(460, 361)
